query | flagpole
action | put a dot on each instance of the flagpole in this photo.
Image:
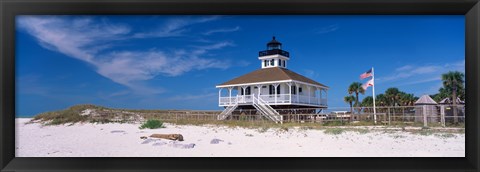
(373, 92)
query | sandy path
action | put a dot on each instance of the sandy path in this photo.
(123, 140)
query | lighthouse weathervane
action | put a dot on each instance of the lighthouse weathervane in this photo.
(270, 88)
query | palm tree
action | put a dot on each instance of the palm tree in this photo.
(349, 99)
(367, 102)
(393, 95)
(452, 82)
(356, 87)
(381, 100)
(407, 99)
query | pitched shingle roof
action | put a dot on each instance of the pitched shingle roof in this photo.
(270, 74)
(425, 100)
(448, 101)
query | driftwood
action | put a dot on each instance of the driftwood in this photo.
(178, 137)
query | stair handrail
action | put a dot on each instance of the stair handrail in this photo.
(228, 110)
(275, 113)
(259, 107)
(267, 110)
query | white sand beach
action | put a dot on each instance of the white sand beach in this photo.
(123, 140)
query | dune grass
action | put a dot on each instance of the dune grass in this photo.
(152, 124)
(69, 115)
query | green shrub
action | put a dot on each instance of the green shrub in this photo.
(152, 124)
(334, 131)
(55, 122)
(361, 130)
(333, 123)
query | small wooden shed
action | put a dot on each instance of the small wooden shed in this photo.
(426, 109)
(447, 106)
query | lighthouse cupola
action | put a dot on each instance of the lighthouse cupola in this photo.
(274, 56)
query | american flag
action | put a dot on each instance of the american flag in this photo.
(367, 84)
(366, 74)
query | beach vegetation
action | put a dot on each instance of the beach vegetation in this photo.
(54, 122)
(361, 130)
(334, 131)
(263, 129)
(152, 124)
(69, 115)
(334, 123)
(284, 128)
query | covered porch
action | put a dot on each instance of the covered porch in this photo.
(275, 93)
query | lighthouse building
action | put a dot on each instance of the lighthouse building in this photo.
(271, 87)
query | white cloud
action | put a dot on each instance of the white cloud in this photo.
(415, 74)
(310, 73)
(89, 41)
(222, 30)
(410, 70)
(327, 29)
(76, 38)
(175, 27)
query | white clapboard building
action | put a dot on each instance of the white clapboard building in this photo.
(271, 87)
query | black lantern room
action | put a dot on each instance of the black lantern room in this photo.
(273, 47)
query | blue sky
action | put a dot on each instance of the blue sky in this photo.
(174, 62)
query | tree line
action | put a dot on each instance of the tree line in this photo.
(453, 86)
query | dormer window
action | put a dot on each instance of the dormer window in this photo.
(272, 62)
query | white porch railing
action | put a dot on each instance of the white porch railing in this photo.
(272, 99)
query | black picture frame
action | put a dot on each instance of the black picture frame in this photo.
(10, 8)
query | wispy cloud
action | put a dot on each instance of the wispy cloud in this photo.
(222, 30)
(410, 70)
(85, 40)
(175, 27)
(76, 38)
(327, 29)
(416, 74)
(310, 73)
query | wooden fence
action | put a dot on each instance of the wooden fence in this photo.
(406, 115)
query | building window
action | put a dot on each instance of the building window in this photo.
(294, 89)
(299, 89)
(247, 91)
(265, 63)
(278, 89)
(241, 91)
(279, 62)
(283, 63)
(271, 62)
(271, 89)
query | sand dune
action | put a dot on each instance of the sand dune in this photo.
(123, 140)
